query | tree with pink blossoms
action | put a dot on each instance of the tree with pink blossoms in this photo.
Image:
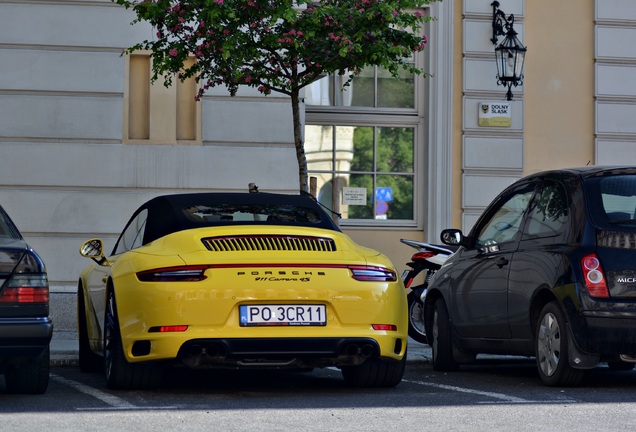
(279, 45)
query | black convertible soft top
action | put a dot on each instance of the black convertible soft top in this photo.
(178, 212)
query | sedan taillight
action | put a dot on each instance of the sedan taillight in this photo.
(192, 273)
(594, 276)
(24, 288)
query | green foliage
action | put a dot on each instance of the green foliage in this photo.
(278, 45)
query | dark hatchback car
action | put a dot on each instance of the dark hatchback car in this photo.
(25, 326)
(548, 270)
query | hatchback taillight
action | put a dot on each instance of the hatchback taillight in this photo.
(24, 288)
(594, 276)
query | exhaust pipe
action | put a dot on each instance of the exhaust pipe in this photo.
(352, 350)
(367, 350)
(214, 350)
(196, 350)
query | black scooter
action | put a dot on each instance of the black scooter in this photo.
(428, 258)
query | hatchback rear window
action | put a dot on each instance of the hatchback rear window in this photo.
(618, 198)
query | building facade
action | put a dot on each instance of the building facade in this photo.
(85, 138)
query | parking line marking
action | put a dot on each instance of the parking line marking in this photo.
(110, 400)
(499, 396)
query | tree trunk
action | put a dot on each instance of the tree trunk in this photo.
(298, 141)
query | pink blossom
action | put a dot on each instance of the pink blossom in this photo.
(173, 52)
(418, 14)
(219, 2)
(395, 13)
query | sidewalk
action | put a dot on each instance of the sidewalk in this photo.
(64, 350)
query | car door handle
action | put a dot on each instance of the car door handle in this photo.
(502, 262)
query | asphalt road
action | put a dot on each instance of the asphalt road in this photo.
(495, 394)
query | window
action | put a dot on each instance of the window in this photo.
(373, 88)
(375, 158)
(549, 212)
(368, 136)
(156, 114)
(504, 224)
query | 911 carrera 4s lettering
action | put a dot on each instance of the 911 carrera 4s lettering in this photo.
(285, 315)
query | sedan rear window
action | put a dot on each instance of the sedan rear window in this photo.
(7, 229)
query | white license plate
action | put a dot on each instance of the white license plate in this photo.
(282, 315)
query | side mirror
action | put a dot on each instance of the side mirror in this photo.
(94, 249)
(452, 237)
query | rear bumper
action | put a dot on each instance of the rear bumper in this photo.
(24, 337)
(599, 333)
(315, 352)
(269, 352)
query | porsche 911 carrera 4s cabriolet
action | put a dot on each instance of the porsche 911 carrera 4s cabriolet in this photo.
(239, 280)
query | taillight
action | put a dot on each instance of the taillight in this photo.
(594, 276)
(385, 327)
(419, 256)
(193, 273)
(373, 274)
(168, 329)
(23, 288)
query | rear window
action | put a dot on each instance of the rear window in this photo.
(233, 213)
(617, 198)
(7, 229)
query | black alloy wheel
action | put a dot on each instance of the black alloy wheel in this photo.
(88, 360)
(375, 372)
(119, 373)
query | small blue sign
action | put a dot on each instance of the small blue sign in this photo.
(384, 194)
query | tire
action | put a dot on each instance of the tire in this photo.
(119, 373)
(375, 372)
(442, 339)
(551, 349)
(88, 360)
(417, 332)
(31, 377)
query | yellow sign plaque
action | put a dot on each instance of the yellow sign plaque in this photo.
(494, 114)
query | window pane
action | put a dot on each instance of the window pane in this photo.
(397, 194)
(362, 88)
(396, 92)
(395, 149)
(359, 211)
(363, 149)
(319, 147)
(345, 148)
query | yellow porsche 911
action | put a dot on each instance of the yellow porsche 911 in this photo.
(239, 280)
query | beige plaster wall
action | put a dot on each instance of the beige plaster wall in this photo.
(559, 84)
(457, 118)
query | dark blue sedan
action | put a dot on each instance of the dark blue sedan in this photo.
(25, 326)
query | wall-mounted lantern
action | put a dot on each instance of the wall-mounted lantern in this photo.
(511, 53)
